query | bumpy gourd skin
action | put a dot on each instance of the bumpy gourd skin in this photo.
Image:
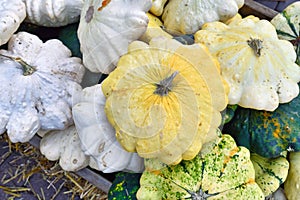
(188, 16)
(12, 13)
(259, 68)
(170, 126)
(222, 170)
(43, 98)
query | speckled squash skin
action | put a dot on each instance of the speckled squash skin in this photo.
(222, 170)
(267, 133)
(270, 173)
(124, 186)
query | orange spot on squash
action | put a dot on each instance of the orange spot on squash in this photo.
(233, 151)
(276, 133)
(104, 3)
(228, 158)
(250, 181)
(156, 172)
(266, 119)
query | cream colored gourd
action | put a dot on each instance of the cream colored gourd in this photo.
(53, 13)
(292, 184)
(107, 27)
(158, 7)
(12, 13)
(38, 84)
(154, 29)
(188, 16)
(97, 136)
(64, 146)
(259, 68)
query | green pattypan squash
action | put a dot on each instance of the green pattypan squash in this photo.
(222, 170)
(270, 173)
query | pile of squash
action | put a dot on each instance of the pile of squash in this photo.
(184, 99)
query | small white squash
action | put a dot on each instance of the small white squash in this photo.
(107, 27)
(187, 16)
(53, 13)
(64, 146)
(97, 136)
(12, 13)
(38, 83)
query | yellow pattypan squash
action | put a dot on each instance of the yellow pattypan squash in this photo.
(259, 68)
(157, 7)
(164, 98)
(154, 29)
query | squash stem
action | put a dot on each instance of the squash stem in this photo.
(165, 86)
(256, 45)
(27, 69)
(200, 195)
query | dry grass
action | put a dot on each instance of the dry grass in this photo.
(50, 171)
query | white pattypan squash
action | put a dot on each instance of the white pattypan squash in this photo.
(187, 16)
(12, 13)
(107, 27)
(64, 145)
(53, 13)
(38, 83)
(158, 7)
(259, 68)
(97, 136)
